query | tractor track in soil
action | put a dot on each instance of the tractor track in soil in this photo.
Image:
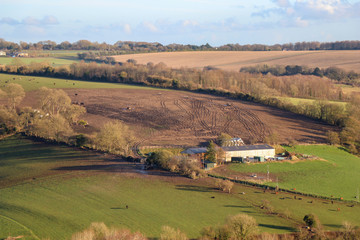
(180, 118)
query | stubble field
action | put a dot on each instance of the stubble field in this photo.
(347, 60)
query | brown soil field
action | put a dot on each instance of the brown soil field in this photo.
(177, 118)
(234, 60)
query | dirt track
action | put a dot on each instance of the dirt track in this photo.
(183, 118)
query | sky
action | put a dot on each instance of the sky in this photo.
(180, 21)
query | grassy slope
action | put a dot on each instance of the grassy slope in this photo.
(60, 205)
(54, 61)
(33, 159)
(298, 101)
(56, 206)
(338, 175)
(32, 83)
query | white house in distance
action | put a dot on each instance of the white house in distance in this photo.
(2, 53)
(248, 151)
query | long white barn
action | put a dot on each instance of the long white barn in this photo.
(265, 151)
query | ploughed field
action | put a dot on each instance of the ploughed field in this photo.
(234, 60)
(163, 117)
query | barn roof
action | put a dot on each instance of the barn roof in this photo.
(247, 148)
(191, 151)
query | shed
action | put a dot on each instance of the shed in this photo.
(209, 165)
(248, 151)
(2, 53)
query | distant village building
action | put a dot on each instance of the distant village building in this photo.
(21, 54)
(2, 53)
(248, 151)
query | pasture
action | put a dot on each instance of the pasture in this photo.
(335, 174)
(299, 101)
(97, 187)
(30, 83)
(347, 60)
(54, 61)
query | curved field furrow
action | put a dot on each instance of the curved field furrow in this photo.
(193, 118)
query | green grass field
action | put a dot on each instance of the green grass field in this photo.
(338, 175)
(30, 83)
(57, 203)
(299, 101)
(54, 61)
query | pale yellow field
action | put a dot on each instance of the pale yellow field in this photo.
(347, 60)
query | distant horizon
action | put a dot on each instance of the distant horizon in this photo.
(100, 42)
(194, 22)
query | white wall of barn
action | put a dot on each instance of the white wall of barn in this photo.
(267, 153)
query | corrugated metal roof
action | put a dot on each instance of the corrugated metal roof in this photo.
(195, 150)
(247, 148)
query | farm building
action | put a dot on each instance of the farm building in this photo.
(208, 165)
(262, 151)
(2, 53)
(197, 153)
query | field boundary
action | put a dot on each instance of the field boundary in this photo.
(21, 225)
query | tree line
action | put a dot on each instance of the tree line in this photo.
(334, 73)
(265, 89)
(132, 46)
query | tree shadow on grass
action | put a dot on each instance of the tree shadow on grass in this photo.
(194, 188)
(236, 206)
(277, 227)
(333, 225)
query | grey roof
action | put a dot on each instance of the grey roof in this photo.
(195, 150)
(247, 148)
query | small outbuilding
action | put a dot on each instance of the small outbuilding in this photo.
(234, 153)
(197, 153)
(209, 165)
(2, 53)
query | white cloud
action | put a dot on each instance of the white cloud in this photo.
(31, 21)
(186, 23)
(127, 28)
(151, 27)
(9, 21)
(300, 13)
(300, 22)
(282, 3)
(49, 20)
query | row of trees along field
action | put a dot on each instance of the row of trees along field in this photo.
(130, 46)
(333, 73)
(261, 88)
(55, 119)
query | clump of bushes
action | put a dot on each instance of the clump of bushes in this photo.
(175, 163)
(240, 226)
(99, 231)
(224, 185)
